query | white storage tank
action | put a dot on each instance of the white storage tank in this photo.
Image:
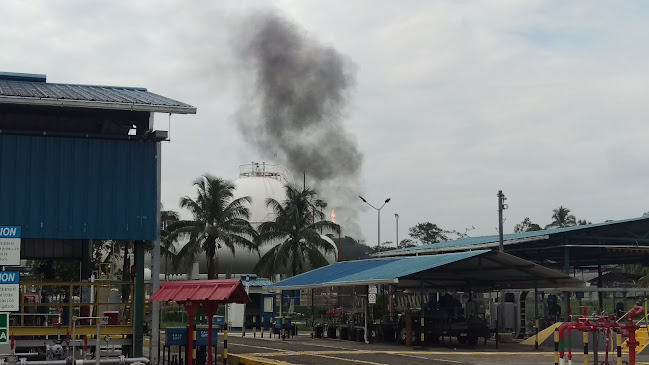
(259, 181)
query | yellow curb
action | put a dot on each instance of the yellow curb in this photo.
(253, 360)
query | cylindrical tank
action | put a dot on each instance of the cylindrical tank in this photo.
(260, 182)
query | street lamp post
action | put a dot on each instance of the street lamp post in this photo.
(378, 247)
(396, 216)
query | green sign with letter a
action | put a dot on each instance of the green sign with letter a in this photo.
(4, 328)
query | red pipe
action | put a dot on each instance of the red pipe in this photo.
(570, 346)
(562, 328)
(190, 308)
(606, 324)
(210, 310)
(582, 324)
(608, 339)
(631, 328)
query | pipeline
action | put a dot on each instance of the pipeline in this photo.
(568, 343)
(562, 352)
(605, 325)
(119, 361)
(536, 334)
(556, 346)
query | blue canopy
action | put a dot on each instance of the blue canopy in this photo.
(484, 269)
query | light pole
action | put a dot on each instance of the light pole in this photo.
(396, 216)
(501, 206)
(378, 247)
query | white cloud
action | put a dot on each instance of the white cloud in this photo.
(453, 101)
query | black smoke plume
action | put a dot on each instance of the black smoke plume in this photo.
(298, 89)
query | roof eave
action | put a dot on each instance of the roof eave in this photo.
(337, 283)
(97, 105)
(478, 246)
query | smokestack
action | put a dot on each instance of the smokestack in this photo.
(297, 91)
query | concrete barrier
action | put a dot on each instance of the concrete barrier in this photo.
(234, 359)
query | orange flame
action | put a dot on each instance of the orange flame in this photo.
(333, 216)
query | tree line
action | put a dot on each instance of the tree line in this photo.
(425, 233)
(561, 218)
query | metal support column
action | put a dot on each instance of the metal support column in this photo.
(312, 313)
(536, 301)
(536, 316)
(422, 318)
(566, 270)
(600, 295)
(138, 299)
(367, 311)
(154, 345)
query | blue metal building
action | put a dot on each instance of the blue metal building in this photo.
(80, 163)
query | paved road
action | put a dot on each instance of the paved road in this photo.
(307, 351)
(304, 350)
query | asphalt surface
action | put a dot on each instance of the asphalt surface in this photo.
(307, 351)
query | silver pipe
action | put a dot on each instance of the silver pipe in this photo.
(119, 361)
(23, 354)
(97, 362)
(74, 335)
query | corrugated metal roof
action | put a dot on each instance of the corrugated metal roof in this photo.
(406, 266)
(219, 291)
(255, 283)
(492, 241)
(338, 272)
(88, 96)
(477, 269)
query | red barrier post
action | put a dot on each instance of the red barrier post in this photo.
(190, 308)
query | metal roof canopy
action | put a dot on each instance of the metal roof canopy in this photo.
(611, 242)
(32, 89)
(215, 291)
(477, 270)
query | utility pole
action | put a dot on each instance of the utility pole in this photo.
(501, 206)
(378, 246)
(501, 247)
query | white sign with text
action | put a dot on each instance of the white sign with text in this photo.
(9, 291)
(9, 246)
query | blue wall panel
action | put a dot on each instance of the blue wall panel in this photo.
(76, 188)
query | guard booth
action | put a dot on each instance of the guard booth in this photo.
(80, 164)
(192, 295)
(259, 312)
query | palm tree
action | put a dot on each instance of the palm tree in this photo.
(218, 220)
(561, 217)
(297, 230)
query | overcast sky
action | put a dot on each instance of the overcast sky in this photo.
(452, 101)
